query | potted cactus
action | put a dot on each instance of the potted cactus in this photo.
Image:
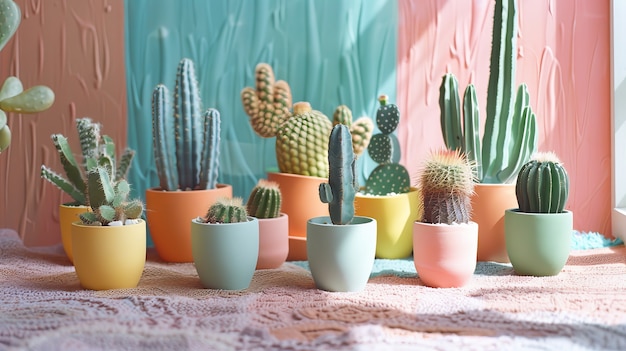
(341, 247)
(538, 233)
(387, 195)
(225, 245)
(509, 138)
(186, 153)
(264, 203)
(96, 149)
(301, 147)
(109, 242)
(445, 240)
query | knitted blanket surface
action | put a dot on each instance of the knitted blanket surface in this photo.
(43, 307)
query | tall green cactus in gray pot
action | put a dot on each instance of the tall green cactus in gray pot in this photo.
(510, 137)
(186, 142)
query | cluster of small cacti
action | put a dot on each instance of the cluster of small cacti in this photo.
(510, 136)
(542, 185)
(342, 184)
(108, 199)
(186, 142)
(226, 210)
(388, 177)
(446, 183)
(97, 150)
(264, 200)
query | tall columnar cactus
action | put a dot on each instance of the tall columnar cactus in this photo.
(388, 177)
(108, 199)
(226, 210)
(542, 185)
(446, 183)
(342, 184)
(186, 143)
(509, 137)
(264, 200)
(97, 150)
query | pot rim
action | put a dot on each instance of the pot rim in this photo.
(516, 211)
(250, 219)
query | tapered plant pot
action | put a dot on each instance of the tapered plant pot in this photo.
(489, 203)
(300, 201)
(273, 241)
(67, 215)
(445, 254)
(394, 215)
(225, 254)
(168, 214)
(109, 257)
(341, 257)
(538, 244)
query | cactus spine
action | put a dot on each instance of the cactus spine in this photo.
(226, 210)
(186, 143)
(446, 184)
(510, 126)
(542, 185)
(342, 184)
(264, 200)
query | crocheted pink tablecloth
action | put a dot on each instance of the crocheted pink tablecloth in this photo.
(43, 307)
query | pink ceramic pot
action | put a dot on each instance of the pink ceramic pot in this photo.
(273, 242)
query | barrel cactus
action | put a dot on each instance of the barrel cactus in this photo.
(264, 200)
(226, 210)
(446, 182)
(542, 185)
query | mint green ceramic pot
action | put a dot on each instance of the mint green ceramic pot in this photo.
(341, 257)
(538, 244)
(225, 254)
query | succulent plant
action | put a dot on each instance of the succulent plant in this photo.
(264, 200)
(542, 185)
(226, 210)
(342, 184)
(388, 177)
(186, 142)
(510, 135)
(446, 182)
(361, 129)
(97, 150)
(108, 199)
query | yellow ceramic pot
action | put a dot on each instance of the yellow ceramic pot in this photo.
(68, 215)
(109, 257)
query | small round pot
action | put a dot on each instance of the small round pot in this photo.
(341, 257)
(445, 254)
(273, 241)
(108, 257)
(225, 254)
(538, 244)
(68, 215)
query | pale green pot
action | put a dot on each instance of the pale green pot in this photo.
(225, 254)
(538, 244)
(341, 257)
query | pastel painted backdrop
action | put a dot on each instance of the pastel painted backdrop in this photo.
(103, 58)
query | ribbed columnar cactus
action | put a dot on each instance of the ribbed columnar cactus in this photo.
(510, 135)
(186, 143)
(542, 185)
(264, 200)
(342, 184)
(108, 199)
(446, 182)
(388, 177)
(226, 210)
(97, 150)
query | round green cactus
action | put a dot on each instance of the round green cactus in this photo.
(542, 185)
(264, 200)
(227, 210)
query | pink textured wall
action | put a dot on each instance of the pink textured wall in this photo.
(77, 48)
(564, 57)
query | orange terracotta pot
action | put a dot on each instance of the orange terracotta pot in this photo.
(168, 214)
(273, 241)
(300, 202)
(489, 203)
(445, 255)
(67, 216)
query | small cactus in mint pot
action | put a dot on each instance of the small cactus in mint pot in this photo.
(264, 200)
(542, 185)
(226, 210)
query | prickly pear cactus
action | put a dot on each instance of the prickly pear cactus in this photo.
(10, 17)
(388, 177)
(264, 200)
(226, 210)
(542, 185)
(361, 129)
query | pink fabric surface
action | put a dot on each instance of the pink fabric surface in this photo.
(42, 307)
